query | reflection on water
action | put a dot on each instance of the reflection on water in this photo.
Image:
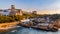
(23, 30)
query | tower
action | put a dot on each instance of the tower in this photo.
(13, 10)
(12, 7)
(16, 11)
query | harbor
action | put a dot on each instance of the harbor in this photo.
(45, 24)
(41, 24)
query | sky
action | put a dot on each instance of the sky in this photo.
(31, 4)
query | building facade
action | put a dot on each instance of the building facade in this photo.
(15, 11)
(12, 11)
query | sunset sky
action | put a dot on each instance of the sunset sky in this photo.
(31, 4)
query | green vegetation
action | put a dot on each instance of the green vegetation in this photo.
(52, 16)
(12, 18)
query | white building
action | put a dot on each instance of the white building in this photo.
(4, 12)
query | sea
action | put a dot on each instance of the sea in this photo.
(24, 30)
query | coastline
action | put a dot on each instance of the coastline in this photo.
(7, 26)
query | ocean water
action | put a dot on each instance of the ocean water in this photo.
(23, 30)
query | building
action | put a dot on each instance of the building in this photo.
(15, 11)
(34, 12)
(4, 12)
(19, 12)
(12, 11)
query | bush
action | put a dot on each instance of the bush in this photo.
(10, 18)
